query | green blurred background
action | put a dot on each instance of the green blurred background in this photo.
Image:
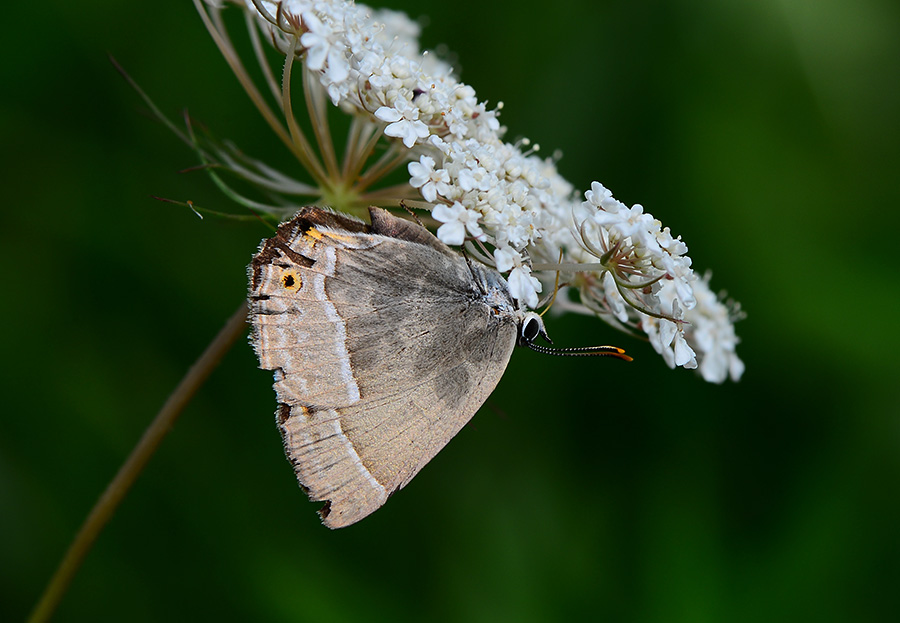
(766, 133)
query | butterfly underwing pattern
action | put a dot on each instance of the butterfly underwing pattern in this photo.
(384, 342)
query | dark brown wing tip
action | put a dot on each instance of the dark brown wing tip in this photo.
(386, 224)
(312, 216)
(305, 219)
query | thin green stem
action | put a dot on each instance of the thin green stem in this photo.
(309, 161)
(317, 109)
(391, 194)
(624, 294)
(350, 147)
(117, 488)
(261, 57)
(637, 286)
(389, 161)
(368, 139)
(219, 34)
(587, 267)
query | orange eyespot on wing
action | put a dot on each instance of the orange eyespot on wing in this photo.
(291, 280)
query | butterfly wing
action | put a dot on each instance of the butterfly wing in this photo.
(383, 348)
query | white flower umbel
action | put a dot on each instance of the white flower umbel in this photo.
(508, 206)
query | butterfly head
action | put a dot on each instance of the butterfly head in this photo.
(531, 326)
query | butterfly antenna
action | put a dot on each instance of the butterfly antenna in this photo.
(411, 213)
(532, 326)
(583, 351)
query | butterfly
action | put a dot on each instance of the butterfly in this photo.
(384, 342)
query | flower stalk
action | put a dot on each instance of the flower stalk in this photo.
(122, 482)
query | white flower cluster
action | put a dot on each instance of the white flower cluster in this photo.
(627, 267)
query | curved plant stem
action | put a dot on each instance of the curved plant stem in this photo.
(134, 465)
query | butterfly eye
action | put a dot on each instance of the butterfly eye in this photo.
(531, 329)
(532, 326)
